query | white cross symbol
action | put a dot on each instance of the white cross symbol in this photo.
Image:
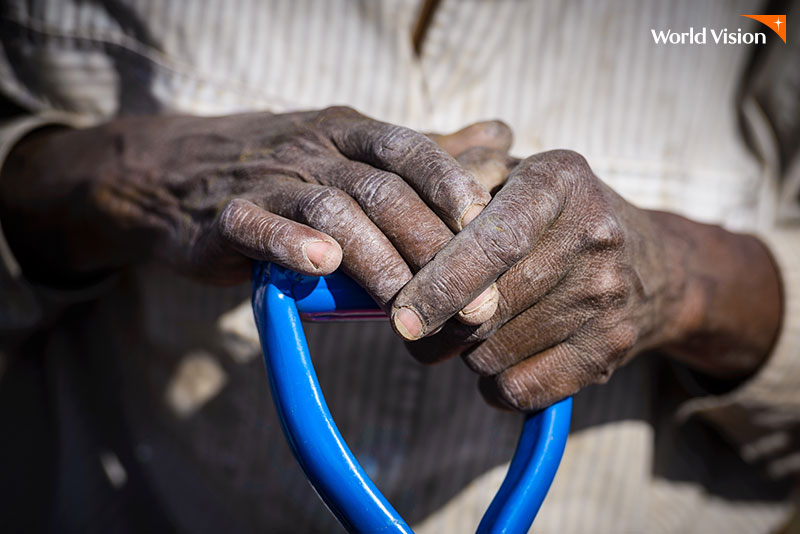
(778, 23)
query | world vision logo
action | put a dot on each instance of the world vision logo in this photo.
(704, 35)
(776, 23)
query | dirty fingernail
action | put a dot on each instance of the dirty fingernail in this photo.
(471, 213)
(317, 252)
(408, 323)
(480, 300)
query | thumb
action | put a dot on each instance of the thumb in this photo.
(493, 134)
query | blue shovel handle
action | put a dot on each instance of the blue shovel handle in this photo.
(279, 297)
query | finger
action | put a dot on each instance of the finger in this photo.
(489, 166)
(589, 357)
(441, 182)
(367, 255)
(522, 286)
(542, 380)
(525, 324)
(594, 288)
(530, 279)
(416, 232)
(542, 326)
(496, 240)
(261, 235)
(493, 135)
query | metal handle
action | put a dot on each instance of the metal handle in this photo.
(279, 297)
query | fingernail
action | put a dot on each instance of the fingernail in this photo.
(471, 213)
(480, 300)
(408, 323)
(317, 252)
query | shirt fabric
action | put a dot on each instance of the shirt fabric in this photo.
(182, 409)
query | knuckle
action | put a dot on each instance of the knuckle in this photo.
(503, 239)
(497, 129)
(511, 391)
(333, 197)
(285, 153)
(602, 369)
(240, 224)
(566, 168)
(322, 203)
(448, 288)
(450, 188)
(387, 280)
(621, 339)
(608, 290)
(603, 233)
(595, 363)
(612, 347)
(569, 160)
(232, 217)
(293, 150)
(335, 121)
(540, 188)
(273, 237)
(396, 143)
(517, 390)
(377, 189)
(333, 112)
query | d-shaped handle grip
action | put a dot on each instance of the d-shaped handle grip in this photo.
(279, 297)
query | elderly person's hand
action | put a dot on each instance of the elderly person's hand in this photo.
(305, 190)
(585, 281)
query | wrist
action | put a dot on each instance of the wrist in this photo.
(727, 305)
(46, 209)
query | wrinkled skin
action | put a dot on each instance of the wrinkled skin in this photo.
(579, 281)
(552, 286)
(205, 195)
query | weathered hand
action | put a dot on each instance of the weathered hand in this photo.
(585, 281)
(305, 190)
